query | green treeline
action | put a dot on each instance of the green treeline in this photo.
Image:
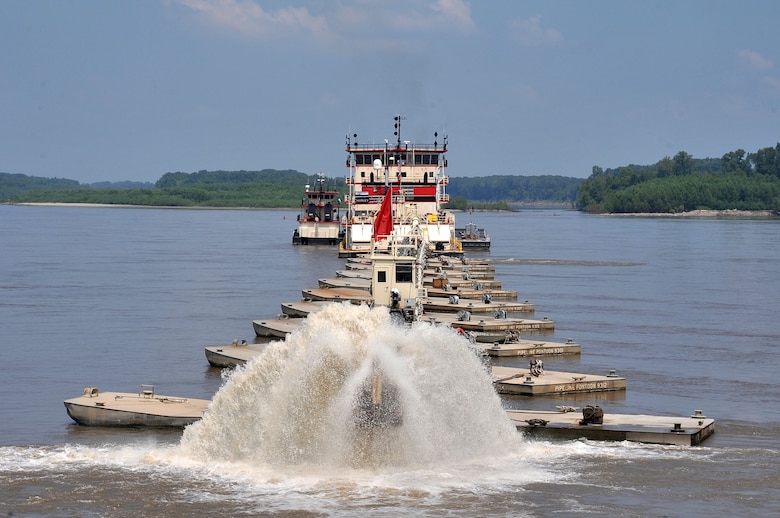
(516, 189)
(268, 188)
(16, 184)
(272, 188)
(461, 203)
(225, 179)
(738, 180)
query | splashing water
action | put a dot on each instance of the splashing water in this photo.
(296, 402)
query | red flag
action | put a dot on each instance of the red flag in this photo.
(383, 223)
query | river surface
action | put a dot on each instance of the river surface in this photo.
(685, 309)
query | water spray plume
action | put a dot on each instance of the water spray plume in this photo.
(351, 388)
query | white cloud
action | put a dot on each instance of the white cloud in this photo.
(456, 11)
(753, 60)
(530, 33)
(251, 19)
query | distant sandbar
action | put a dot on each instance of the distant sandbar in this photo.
(123, 206)
(725, 214)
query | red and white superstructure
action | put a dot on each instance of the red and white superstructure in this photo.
(414, 173)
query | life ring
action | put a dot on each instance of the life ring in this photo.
(460, 331)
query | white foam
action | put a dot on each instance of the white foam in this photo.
(294, 403)
(282, 426)
(320, 487)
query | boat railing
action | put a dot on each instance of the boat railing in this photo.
(404, 240)
(417, 147)
(412, 179)
(361, 218)
(444, 216)
(366, 199)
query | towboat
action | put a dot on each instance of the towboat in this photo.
(473, 238)
(145, 408)
(319, 222)
(412, 175)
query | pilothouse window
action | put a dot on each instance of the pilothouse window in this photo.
(403, 272)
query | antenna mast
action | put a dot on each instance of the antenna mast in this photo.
(397, 127)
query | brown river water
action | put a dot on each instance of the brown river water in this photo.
(685, 309)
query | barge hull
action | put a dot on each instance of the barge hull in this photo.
(124, 409)
(521, 382)
(680, 431)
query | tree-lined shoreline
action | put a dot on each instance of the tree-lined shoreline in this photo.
(264, 189)
(702, 214)
(736, 182)
(680, 184)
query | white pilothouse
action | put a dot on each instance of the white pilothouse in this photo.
(414, 175)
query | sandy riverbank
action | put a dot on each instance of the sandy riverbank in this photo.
(121, 206)
(724, 214)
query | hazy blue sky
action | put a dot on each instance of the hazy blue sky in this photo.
(129, 90)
